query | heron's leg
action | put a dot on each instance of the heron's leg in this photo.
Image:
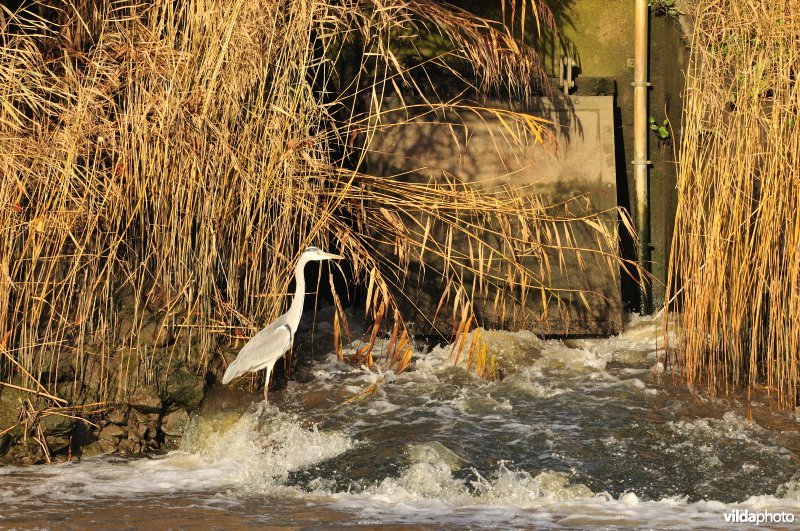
(266, 385)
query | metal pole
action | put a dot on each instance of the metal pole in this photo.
(640, 162)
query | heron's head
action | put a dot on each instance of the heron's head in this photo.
(315, 253)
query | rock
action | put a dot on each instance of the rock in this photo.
(11, 401)
(112, 432)
(138, 430)
(185, 388)
(151, 331)
(155, 333)
(127, 319)
(435, 452)
(56, 424)
(173, 424)
(100, 447)
(119, 415)
(67, 390)
(143, 426)
(146, 400)
(28, 452)
(5, 442)
(57, 443)
(25, 459)
(82, 435)
(130, 447)
(58, 369)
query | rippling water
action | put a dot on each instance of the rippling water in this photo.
(579, 433)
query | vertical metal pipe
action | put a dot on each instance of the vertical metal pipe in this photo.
(640, 162)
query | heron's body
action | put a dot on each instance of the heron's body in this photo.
(270, 344)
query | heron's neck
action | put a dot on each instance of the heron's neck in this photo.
(296, 309)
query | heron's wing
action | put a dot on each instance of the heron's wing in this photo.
(264, 348)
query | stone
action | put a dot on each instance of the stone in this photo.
(138, 430)
(100, 447)
(5, 443)
(175, 423)
(143, 426)
(185, 388)
(130, 447)
(28, 452)
(156, 334)
(303, 373)
(127, 319)
(151, 331)
(146, 400)
(58, 369)
(11, 401)
(112, 432)
(25, 459)
(67, 390)
(56, 424)
(119, 415)
(57, 443)
(82, 435)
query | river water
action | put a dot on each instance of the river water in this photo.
(577, 434)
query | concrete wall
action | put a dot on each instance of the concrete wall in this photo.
(581, 165)
(668, 59)
(599, 35)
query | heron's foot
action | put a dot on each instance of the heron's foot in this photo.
(265, 411)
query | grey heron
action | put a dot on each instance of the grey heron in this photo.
(271, 343)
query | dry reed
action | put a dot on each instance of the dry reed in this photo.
(164, 163)
(735, 266)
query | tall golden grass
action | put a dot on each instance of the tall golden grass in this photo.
(164, 163)
(735, 266)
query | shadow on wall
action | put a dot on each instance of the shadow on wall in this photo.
(573, 179)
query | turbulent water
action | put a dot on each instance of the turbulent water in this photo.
(577, 434)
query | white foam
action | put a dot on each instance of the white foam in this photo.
(427, 492)
(253, 451)
(559, 357)
(533, 383)
(730, 426)
(791, 489)
(429, 478)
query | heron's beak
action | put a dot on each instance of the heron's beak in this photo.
(331, 256)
